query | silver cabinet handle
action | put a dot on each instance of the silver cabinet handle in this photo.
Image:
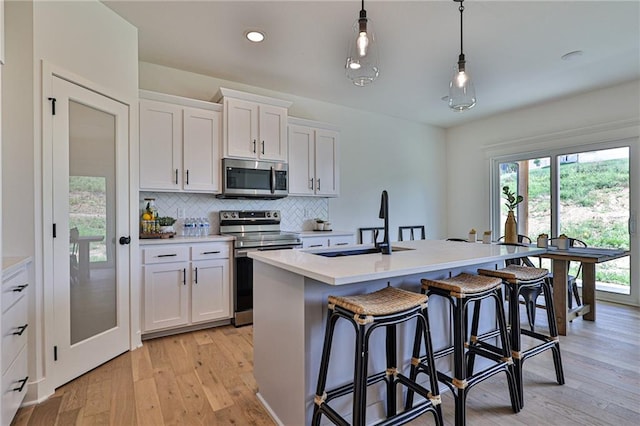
(187, 177)
(254, 146)
(262, 147)
(176, 176)
(318, 184)
(211, 252)
(311, 183)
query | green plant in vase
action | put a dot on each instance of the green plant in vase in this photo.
(510, 226)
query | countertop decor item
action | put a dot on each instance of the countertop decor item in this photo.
(510, 226)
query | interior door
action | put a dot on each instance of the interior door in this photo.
(90, 165)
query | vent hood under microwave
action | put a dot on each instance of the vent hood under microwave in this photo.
(254, 179)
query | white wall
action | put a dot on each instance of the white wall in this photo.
(88, 40)
(376, 152)
(588, 118)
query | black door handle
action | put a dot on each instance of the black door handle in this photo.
(124, 240)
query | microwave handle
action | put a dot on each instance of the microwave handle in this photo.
(273, 180)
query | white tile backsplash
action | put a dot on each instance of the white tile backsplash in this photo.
(297, 212)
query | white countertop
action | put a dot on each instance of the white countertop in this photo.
(429, 255)
(185, 240)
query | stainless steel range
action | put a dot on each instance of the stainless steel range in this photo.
(253, 230)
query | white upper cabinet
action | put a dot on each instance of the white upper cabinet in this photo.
(160, 146)
(201, 150)
(179, 144)
(313, 159)
(255, 127)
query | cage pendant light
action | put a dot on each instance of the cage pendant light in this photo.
(362, 56)
(462, 94)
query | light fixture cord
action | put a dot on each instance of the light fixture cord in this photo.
(461, 8)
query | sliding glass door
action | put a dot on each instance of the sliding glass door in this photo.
(583, 193)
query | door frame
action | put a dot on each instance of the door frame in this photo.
(44, 335)
(577, 141)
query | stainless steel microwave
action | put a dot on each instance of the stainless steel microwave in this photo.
(254, 179)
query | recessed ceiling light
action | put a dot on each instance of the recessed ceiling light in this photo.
(571, 55)
(255, 36)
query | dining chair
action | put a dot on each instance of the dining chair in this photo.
(572, 284)
(373, 234)
(413, 230)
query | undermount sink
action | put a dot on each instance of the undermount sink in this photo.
(357, 251)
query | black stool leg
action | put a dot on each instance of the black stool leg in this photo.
(553, 333)
(514, 319)
(324, 364)
(506, 348)
(459, 367)
(360, 379)
(391, 366)
(471, 356)
(413, 373)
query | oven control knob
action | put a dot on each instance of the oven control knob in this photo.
(234, 215)
(275, 215)
(225, 215)
(268, 214)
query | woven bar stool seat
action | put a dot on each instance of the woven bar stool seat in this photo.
(383, 308)
(518, 280)
(461, 291)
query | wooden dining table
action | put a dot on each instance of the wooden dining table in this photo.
(589, 256)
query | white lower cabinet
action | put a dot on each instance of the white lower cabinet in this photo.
(327, 240)
(185, 285)
(15, 283)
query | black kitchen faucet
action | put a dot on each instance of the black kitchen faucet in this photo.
(384, 246)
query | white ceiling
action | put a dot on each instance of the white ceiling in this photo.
(513, 49)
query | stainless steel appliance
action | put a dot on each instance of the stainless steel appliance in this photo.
(253, 230)
(254, 179)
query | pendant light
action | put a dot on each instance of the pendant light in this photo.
(362, 56)
(462, 94)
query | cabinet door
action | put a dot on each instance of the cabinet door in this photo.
(273, 133)
(160, 145)
(241, 128)
(210, 290)
(327, 166)
(301, 160)
(201, 150)
(166, 295)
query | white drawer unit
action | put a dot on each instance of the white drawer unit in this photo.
(14, 326)
(206, 251)
(326, 240)
(165, 254)
(185, 285)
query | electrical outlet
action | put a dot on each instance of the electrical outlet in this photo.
(306, 213)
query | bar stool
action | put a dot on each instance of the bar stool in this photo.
(384, 308)
(460, 291)
(518, 278)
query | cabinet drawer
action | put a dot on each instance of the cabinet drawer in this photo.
(210, 251)
(14, 387)
(315, 242)
(14, 333)
(342, 240)
(165, 254)
(13, 288)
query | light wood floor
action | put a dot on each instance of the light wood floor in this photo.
(205, 378)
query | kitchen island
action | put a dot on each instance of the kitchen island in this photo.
(290, 301)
